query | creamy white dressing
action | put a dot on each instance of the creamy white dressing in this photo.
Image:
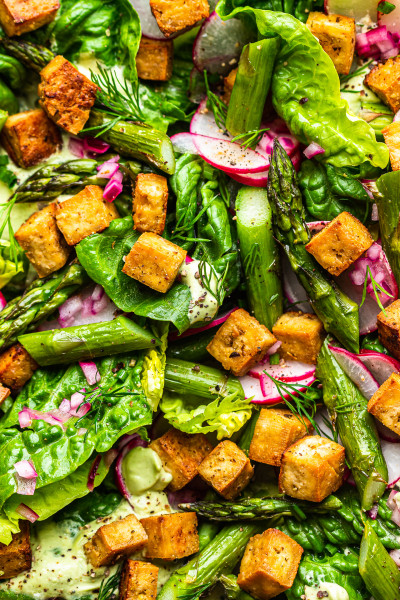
(326, 591)
(142, 470)
(356, 83)
(203, 306)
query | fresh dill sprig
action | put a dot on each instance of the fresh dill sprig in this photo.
(355, 73)
(375, 286)
(211, 281)
(219, 108)
(5, 221)
(253, 260)
(109, 586)
(182, 226)
(193, 593)
(250, 139)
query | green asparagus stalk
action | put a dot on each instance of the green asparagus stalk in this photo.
(186, 377)
(81, 342)
(32, 55)
(377, 568)
(251, 86)
(232, 589)
(259, 255)
(207, 532)
(192, 348)
(356, 428)
(388, 201)
(39, 301)
(338, 313)
(247, 435)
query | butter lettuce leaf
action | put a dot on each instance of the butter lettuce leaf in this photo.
(153, 372)
(306, 91)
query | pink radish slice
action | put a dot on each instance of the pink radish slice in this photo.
(148, 22)
(252, 179)
(391, 453)
(3, 302)
(183, 142)
(228, 156)
(195, 330)
(392, 20)
(219, 43)
(203, 123)
(293, 289)
(380, 365)
(356, 370)
(387, 434)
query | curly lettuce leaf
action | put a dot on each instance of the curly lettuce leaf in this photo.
(154, 366)
(11, 269)
(306, 92)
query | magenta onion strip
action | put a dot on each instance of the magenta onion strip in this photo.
(195, 330)
(27, 513)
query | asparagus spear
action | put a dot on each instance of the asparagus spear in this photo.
(356, 428)
(39, 301)
(247, 435)
(32, 55)
(207, 532)
(81, 342)
(377, 568)
(338, 313)
(388, 201)
(232, 589)
(192, 348)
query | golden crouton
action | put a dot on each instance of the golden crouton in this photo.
(388, 322)
(138, 581)
(150, 203)
(384, 81)
(312, 468)
(66, 95)
(30, 137)
(175, 16)
(276, 429)
(269, 564)
(16, 367)
(391, 135)
(181, 455)
(84, 214)
(227, 469)
(17, 556)
(301, 334)
(340, 243)
(4, 393)
(171, 536)
(154, 59)
(229, 82)
(240, 342)
(20, 16)
(154, 261)
(337, 36)
(116, 539)
(42, 241)
(385, 403)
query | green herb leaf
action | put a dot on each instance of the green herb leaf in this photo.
(385, 8)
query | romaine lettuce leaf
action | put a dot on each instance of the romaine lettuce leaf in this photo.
(154, 366)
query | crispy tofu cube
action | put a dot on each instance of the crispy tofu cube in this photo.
(84, 214)
(384, 81)
(150, 203)
(181, 455)
(171, 536)
(138, 581)
(20, 16)
(175, 16)
(17, 556)
(4, 393)
(385, 403)
(42, 241)
(301, 334)
(389, 328)
(391, 135)
(240, 342)
(340, 243)
(66, 95)
(30, 137)
(227, 469)
(337, 36)
(154, 59)
(154, 261)
(116, 539)
(229, 82)
(276, 429)
(312, 468)
(16, 367)
(269, 564)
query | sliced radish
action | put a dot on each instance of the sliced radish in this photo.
(195, 330)
(387, 434)
(148, 22)
(380, 365)
(228, 156)
(293, 289)
(358, 9)
(391, 453)
(392, 20)
(219, 43)
(356, 370)
(203, 123)
(183, 142)
(252, 179)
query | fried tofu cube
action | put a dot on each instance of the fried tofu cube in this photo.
(176, 16)
(171, 536)
(84, 214)
(389, 328)
(16, 367)
(391, 135)
(229, 82)
(66, 95)
(116, 539)
(181, 455)
(384, 81)
(17, 556)
(312, 468)
(154, 261)
(269, 564)
(42, 241)
(150, 203)
(138, 581)
(4, 393)
(337, 36)
(340, 243)
(385, 403)
(276, 429)
(30, 137)
(20, 16)
(227, 469)
(301, 334)
(240, 342)
(154, 59)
